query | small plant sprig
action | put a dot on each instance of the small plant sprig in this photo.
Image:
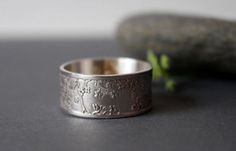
(160, 65)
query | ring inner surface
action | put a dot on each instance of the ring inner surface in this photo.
(107, 66)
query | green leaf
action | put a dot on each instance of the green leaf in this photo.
(160, 69)
(170, 84)
(164, 61)
(152, 58)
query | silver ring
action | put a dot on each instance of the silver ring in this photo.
(105, 87)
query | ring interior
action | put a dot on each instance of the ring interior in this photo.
(110, 66)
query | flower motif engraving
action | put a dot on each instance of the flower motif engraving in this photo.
(104, 110)
(107, 95)
(137, 106)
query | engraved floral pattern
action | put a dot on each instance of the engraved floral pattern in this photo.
(105, 110)
(112, 96)
(137, 106)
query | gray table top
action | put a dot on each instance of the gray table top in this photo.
(201, 116)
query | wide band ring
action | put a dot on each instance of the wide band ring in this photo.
(105, 87)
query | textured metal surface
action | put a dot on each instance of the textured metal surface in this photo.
(105, 88)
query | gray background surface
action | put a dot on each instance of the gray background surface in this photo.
(200, 116)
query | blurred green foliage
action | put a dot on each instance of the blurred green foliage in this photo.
(160, 65)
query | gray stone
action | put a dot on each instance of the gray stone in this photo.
(193, 43)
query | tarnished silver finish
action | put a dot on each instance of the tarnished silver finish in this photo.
(105, 87)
